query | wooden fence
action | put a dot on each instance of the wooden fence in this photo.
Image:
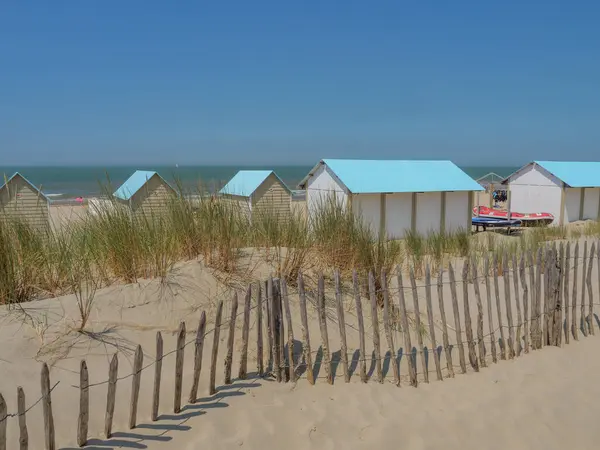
(546, 305)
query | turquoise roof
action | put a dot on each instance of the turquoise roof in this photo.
(134, 183)
(245, 182)
(387, 176)
(573, 173)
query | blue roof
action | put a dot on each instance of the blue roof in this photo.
(245, 182)
(573, 173)
(17, 174)
(134, 183)
(386, 176)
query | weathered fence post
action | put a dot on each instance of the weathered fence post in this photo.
(415, 295)
(499, 309)
(198, 351)
(567, 306)
(231, 339)
(322, 311)
(269, 304)
(361, 328)
(434, 350)
(242, 374)
(388, 328)
(3, 424)
(457, 327)
(259, 332)
(179, 355)
(590, 321)
(412, 370)
(515, 270)
(509, 317)
(488, 293)
(157, 377)
(138, 360)
(342, 325)
(445, 340)
(480, 342)
(49, 439)
(274, 326)
(536, 332)
(215, 350)
(375, 323)
(574, 296)
(523, 278)
(278, 297)
(306, 351)
(582, 323)
(467, 312)
(558, 309)
(290, 331)
(532, 296)
(84, 405)
(23, 434)
(113, 371)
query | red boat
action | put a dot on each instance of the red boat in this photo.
(542, 218)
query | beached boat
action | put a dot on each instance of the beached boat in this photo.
(542, 218)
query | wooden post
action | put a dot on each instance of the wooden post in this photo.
(445, 340)
(536, 315)
(110, 396)
(523, 277)
(290, 331)
(532, 296)
(215, 350)
(278, 299)
(515, 270)
(566, 292)
(546, 299)
(499, 309)
(550, 297)
(574, 296)
(581, 203)
(418, 325)
(231, 339)
(375, 323)
(467, 312)
(443, 213)
(342, 325)
(457, 327)
(21, 411)
(488, 293)
(412, 370)
(269, 301)
(275, 328)
(323, 325)
(436, 356)
(157, 376)
(242, 374)
(388, 329)
(558, 312)
(382, 216)
(590, 321)
(509, 317)
(198, 351)
(3, 424)
(179, 367)
(563, 197)
(413, 215)
(259, 333)
(480, 342)
(138, 360)
(361, 328)
(84, 405)
(49, 439)
(306, 351)
(583, 281)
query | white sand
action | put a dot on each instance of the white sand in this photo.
(546, 399)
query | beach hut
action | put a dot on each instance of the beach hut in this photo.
(567, 189)
(21, 200)
(259, 190)
(146, 193)
(395, 196)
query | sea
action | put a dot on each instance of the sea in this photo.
(68, 182)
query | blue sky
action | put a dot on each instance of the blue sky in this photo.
(124, 82)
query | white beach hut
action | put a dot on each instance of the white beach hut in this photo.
(395, 196)
(146, 193)
(569, 190)
(21, 200)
